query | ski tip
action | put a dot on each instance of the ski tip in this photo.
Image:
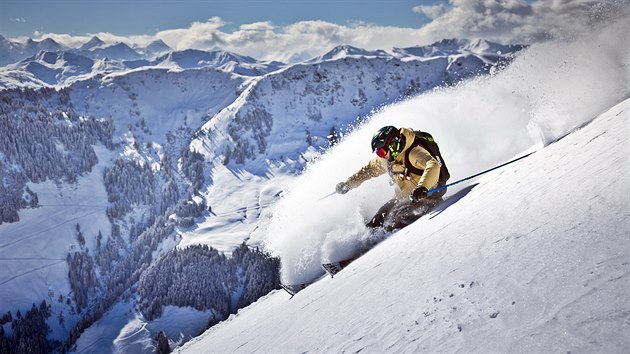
(293, 289)
(332, 268)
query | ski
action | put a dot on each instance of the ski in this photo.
(293, 289)
(332, 268)
(335, 267)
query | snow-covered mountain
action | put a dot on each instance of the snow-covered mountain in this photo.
(230, 62)
(47, 69)
(346, 51)
(112, 176)
(62, 68)
(447, 47)
(96, 48)
(155, 48)
(305, 103)
(93, 43)
(118, 51)
(95, 58)
(12, 52)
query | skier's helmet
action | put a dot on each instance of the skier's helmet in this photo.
(387, 139)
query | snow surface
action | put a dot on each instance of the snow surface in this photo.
(534, 256)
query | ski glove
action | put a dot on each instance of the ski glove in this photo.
(419, 193)
(342, 188)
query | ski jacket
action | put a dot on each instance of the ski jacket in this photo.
(404, 180)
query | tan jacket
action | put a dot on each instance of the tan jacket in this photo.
(404, 180)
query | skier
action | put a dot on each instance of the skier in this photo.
(404, 154)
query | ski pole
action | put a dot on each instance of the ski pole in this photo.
(478, 174)
(326, 196)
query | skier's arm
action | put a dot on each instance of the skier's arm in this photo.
(374, 168)
(421, 159)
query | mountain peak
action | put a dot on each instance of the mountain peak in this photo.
(194, 58)
(454, 46)
(344, 51)
(118, 51)
(49, 44)
(120, 45)
(92, 43)
(158, 46)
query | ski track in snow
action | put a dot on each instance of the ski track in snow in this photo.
(50, 228)
(30, 270)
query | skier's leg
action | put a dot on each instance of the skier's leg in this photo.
(378, 218)
(406, 212)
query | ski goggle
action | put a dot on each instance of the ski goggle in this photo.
(381, 152)
(392, 145)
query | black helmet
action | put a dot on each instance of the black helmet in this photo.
(387, 139)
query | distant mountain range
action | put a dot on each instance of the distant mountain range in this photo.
(12, 52)
(47, 63)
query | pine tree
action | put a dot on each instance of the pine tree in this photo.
(162, 346)
(333, 139)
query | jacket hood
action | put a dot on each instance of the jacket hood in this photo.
(410, 136)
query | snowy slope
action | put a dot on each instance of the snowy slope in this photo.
(33, 252)
(166, 100)
(534, 257)
(157, 108)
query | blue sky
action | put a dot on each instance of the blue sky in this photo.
(134, 17)
(293, 30)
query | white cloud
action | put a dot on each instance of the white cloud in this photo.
(519, 21)
(506, 21)
(297, 41)
(431, 11)
(257, 26)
